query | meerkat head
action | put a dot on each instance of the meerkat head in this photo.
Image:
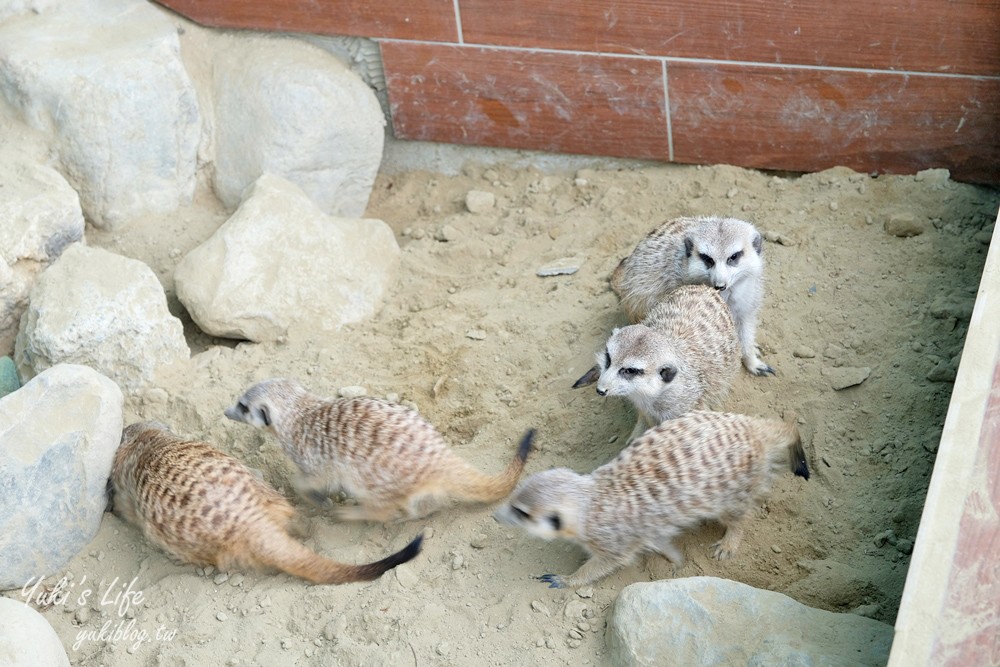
(636, 362)
(722, 251)
(132, 431)
(265, 403)
(548, 504)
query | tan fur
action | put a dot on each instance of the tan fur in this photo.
(701, 466)
(724, 253)
(683, 356)
(204, 507)
(386, 456)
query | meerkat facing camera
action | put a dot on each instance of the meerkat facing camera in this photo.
(385, 456)
(204, 507)
(683, 356)
(701, 466)
(724, 253)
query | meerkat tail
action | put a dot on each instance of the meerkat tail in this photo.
(298, 560)
(797, 458)
(473, 485)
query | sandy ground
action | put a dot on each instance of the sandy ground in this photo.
(486, 349)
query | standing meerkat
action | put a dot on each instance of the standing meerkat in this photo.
(204, 507)
(701, 466)
(386, 456)
(683, 356)
(724, 253)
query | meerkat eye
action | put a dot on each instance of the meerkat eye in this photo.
(555, 521)
(631, 372)
(735, 257)
(709, 262)
(243, 407)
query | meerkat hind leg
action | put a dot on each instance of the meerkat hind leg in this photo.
(730, 541)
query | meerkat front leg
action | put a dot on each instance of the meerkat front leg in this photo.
(313, 490)
(597, 567)
(746, 331)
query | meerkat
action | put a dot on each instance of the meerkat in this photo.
(386, 456)
(683, 356)
(724, 253)
(204, 507)
(700, 466)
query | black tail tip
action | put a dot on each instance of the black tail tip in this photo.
(410, 551)
(526, 444)
(801, 469)
(590, 377)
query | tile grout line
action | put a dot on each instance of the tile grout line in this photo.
(700, 61)
(458, 22)
(666, 108)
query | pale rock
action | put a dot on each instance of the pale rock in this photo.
(104, 80)
(39, 216)
(904, 225)
(845, 376)
(279, 261)
(27, 639)
(477, 201)
(102, 310)
(711, 621)
(58, 436)
(291, 109)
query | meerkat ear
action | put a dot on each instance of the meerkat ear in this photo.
(590, 377)
(668, 373)
(758, 243)
(555, 521)
(688, 246)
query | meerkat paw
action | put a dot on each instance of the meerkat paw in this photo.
(553, 580)
(727, 546)
(317, 498)
(758, 367)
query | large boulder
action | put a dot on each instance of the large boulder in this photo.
(711, 621)
(102, 310)
(27, 639)
(291, 109)
(39, 216)
(104, 79)
(279, 261)
(58, 436)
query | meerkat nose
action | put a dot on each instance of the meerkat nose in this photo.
(602, 392)
(721, 287)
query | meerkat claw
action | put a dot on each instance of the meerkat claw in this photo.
(553, 580)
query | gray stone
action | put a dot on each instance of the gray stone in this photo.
(102, 310)
(844, 377)
(39, 216)
(104, 80)
(710, 621)
(290, 109)
(566, 266)
(904, 225)
(803, 352)
(27, 639)
(279, 262)
(58, 436)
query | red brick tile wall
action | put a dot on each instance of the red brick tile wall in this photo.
(799, 85)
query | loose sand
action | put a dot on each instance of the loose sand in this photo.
(485, 348)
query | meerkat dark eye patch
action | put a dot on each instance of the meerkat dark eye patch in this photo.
(630, 372)
(734, 258)
(607, 359)
(520, 513)
(668, 373)
(709, 262)
(264, 417)
(243, 408)
(555, 521)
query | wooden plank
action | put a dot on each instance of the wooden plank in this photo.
(544, 101)
(432, 20)
(808, 120)
(959, 36)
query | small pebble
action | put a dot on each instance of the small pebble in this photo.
(352, 392)
(903, 225)
(457, 562)
(479, 541)
(803, 352)
(446, 234)
(583, 626)
(82, 615)
(539, 606)
(236, 580)
(775, 548)
(574, 643)
(221, 578)
(586, 592)
(540, 642)
(834, 206)
(561, 267)
(221, 616)
(575, 634)
(904, 546)
(476, 334)
(442, 649)
(550, 643)
(209, 569)
(477, 201)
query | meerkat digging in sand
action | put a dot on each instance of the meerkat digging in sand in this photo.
(204, 507)
(724, 253)
(683, 356)
(701, 466)
(386, 456)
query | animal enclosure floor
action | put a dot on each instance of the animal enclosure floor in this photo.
(485, 348)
